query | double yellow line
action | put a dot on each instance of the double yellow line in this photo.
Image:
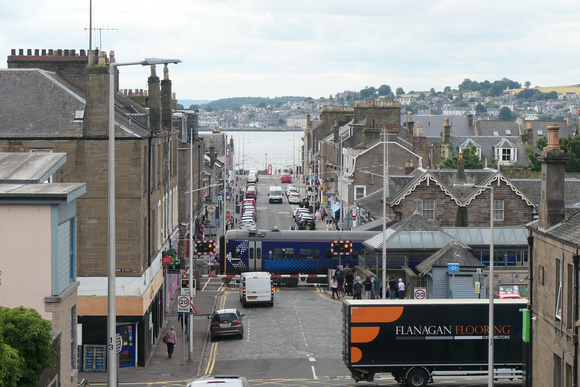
(213, 348)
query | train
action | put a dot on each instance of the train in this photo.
(289, 251)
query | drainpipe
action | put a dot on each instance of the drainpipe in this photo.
(576, 260)
(529, 356)
(150, 142)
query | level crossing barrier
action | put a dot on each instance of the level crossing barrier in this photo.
(224, 281)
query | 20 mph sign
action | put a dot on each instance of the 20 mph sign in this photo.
(420, 293)
(183, 305)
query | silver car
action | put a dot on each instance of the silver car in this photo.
(226, 322)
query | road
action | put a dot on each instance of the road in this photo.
(295, 343)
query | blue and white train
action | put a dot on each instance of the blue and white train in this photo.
(290, 251)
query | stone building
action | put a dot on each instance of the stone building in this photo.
(57, 101)
(554, 243)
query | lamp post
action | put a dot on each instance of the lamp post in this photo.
(112, 363)
(490, 365)
(385, 196)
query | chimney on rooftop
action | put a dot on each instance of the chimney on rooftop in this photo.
(166, 108)
(460, 169)
(552, 206)
(154, 101)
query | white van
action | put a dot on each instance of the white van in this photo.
(252, 178)
(256, 287)
(275, 194)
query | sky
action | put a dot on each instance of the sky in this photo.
(311, 48)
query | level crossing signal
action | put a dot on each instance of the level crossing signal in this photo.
(205, 247)
(341, 248)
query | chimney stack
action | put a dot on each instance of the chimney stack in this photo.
(166, 100)
(446, 131)
(154, 101)
(460, 169)
(552, 206)
(335, 131)
(530, 133)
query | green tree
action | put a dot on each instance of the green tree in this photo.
(505, 114)
(384, 90)
(400, 91)
(447, 89)
(480, 109)
(472, 160)
(527, 84)
(25, 344)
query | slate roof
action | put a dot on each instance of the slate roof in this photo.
(567, 230)
(36, 103)
(532, 189)
(373, 204)
(451, 253)
(488, 144)
(433, 125)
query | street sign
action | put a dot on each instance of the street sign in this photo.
(211, 208)
(168, 260)
(183, 304)
(452, 268)
(420, 293)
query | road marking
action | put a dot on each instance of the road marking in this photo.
(311, 359)
(314, 373)
(211, 360)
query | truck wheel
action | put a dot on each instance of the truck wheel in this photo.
(417, 377)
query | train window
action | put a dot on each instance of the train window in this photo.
(328, 254)
(236, 252)
(287, 253)
(309, 254)
(258, 252)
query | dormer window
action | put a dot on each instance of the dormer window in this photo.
(496, 134)
(508, 132)
(540, 133)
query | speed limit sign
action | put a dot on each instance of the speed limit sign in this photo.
(183, 304)
(420, 293)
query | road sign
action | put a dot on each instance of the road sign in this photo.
(211, 208)
(168, 260)
(183, 304)
(452, 268)
(420, 293)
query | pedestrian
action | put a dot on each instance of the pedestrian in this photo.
(340, 280)
(392, 288)
(377, 287)
(368, 285)
(348, 279)
(357, 289)
(401, 289)
(170, 339)
(334, 287)
(183, 318)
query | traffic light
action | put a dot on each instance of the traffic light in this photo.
(205, 247)
(341, 248)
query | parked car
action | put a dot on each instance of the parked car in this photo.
(286, 178)
(294, 199)
(247, 225)
(222, 381)
(299, 211)
(226, 322)
(291, 190)
(305, 221)
(251, 192)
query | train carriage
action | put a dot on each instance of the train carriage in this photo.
(290, 251)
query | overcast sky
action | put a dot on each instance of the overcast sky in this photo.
(314, 48)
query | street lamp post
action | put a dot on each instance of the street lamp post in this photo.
(490, 366)
(112, 363)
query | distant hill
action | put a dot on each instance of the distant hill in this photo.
(186, 103)
(250, 101)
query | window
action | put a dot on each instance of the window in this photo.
(283, 253)
(506, 155)
(359, 192)
(73, 339)
(309, 254)
(570, 297)
(558, 289)
(498, 210)
(508, 132)
(557, 371)
(429, 209)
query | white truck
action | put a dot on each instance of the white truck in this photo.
(256, 287)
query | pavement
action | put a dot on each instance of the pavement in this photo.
(158, 366)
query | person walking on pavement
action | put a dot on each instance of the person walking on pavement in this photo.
(334, 287)
(170, 339)
(340, 280)
(348, 279)
(368, 285)
(357, 289)
(377, 287)
(401, 289)
(392, 288)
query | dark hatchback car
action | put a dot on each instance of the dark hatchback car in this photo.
(226, 322)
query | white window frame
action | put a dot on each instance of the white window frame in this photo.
(428, 209)
(502, 156)
(498, 210)
(558, 284)
(356, 194)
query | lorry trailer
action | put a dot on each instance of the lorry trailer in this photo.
(415, 340)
